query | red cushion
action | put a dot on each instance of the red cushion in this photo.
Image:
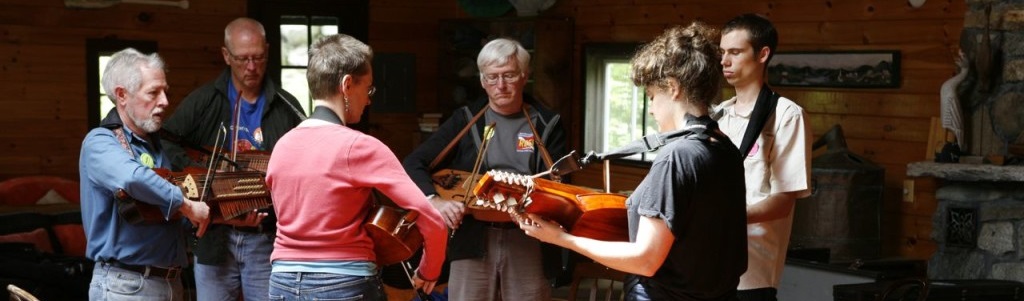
(28, 190)
(38, 237)
(71, 238)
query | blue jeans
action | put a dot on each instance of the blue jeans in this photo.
(246, 269)
(324, 286)
(116, 284)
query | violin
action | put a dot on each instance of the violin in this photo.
(395, 235)
(581, 211)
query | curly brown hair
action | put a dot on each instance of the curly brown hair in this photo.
(689, 55)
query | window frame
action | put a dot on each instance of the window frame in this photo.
(353, 20)
(595, 57)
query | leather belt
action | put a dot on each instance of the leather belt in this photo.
(502, 225)
(257, 229)
(146, 270)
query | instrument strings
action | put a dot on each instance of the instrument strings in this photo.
(484, 143)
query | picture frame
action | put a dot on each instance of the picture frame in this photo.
(835, 69)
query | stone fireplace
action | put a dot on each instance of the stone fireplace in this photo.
(979, 221)
(992, 94)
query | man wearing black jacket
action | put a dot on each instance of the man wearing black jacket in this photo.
(489, 259)
(234, 257)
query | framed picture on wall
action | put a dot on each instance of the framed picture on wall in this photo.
(836, 69)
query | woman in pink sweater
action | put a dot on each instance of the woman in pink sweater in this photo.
(321, 175)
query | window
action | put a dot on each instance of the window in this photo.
(98, 52)
(293, 25)
(616, 111)
(297, 34)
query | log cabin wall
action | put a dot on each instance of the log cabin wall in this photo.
(42, 72)
(43, 69)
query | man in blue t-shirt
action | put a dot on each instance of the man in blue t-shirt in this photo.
(234, 257)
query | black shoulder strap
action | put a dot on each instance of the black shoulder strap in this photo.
(697, 127)
(764, 108)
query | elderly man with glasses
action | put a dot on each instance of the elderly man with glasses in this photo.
(234, 257)
(491, 258)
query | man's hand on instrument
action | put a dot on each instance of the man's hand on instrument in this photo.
(541, 229)
(198, 213)
(451, 211)
(251, 219)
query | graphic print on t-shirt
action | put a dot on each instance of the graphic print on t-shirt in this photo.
(524, 143)
(250, 131)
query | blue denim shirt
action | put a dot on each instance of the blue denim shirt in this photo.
(104, 167)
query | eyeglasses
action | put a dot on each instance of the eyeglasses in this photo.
(255, 59)
(373, 90)
(509, 77)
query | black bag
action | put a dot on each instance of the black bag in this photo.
(47, 276)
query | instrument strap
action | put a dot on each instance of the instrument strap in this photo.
(698, 127)
(764, 108)
(119, 132)
(469, 125)
(538, 139)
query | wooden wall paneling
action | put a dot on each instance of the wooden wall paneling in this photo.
(67, 141)
(915, 240)
(919, 195)
(624, 33)
(402, 136)
(872, 127)
(42, 67)
(53, 108)
(882, 33)
(800, 10)
(21, 164)
(931, 57)
(30, 92)
(54, 128)
(629, 14)
(401, 32)
(865, 103)
(409, 14)
(149, 18)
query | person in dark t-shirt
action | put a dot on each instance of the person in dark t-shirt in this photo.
(687, 218)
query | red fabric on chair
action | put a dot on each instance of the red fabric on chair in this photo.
(71, 238)
(38, 238)
(28, 190)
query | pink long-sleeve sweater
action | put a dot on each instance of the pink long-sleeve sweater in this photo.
(320, 178)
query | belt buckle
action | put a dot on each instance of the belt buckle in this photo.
(173, 273)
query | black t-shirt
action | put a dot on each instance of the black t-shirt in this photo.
(696, 186)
